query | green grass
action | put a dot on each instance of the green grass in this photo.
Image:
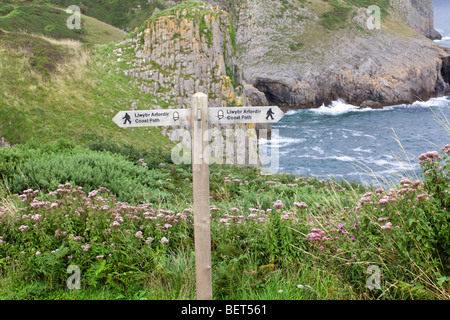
(45, 20)
(52, 22)
(339, 16)
(121, 14)
(253, 259)
(73, 97)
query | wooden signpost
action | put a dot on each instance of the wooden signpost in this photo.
(199, 117)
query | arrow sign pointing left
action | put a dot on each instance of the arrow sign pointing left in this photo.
(146, 118)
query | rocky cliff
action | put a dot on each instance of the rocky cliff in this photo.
(418, 14)
(301, 56)
(183, 50)
(292, 53)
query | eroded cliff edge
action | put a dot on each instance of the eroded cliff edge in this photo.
(302, 54)
(296, 53)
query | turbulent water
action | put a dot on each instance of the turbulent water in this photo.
(364, 145)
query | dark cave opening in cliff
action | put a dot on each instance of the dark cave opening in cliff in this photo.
(445, 70)
(276, 93)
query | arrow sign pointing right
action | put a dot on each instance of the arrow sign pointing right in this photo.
(230, 115)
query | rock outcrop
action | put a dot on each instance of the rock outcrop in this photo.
(189, 48)
(299, 57)
(186, 49)
(294, 54)
(418, 14)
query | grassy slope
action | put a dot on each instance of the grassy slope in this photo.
(51, 22)
(54, 89)
(122, 14)
(77, 101)
(100, 32)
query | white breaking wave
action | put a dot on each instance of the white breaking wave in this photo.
(433, 102)
(337, 108)
(340, 107)
(338, 158)
(292, 112)
(359, 149)
(443, 39)
(281, 141)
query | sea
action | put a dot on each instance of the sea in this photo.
(370, 146)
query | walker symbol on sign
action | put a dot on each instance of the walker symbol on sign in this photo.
(127, 118)
(270, 114)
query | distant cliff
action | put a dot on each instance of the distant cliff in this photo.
(303, 54)
(418, 14)
(185, 49)
(292, 53)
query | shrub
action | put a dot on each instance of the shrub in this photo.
(110, 241)
(46, 166)
(6, 9)
(405, 231)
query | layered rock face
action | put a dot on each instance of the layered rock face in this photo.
(186, 50)
(293, 53)
(419, 15)
(290, 55)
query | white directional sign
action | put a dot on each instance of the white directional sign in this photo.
(173, 117)
(147, 118)
(230, 115)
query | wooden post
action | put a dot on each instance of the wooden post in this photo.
(200, 173)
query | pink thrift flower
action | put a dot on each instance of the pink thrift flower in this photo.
(387, 226)
(139, 235)
(278, 204)
(300, 204)
(164, 240)
(93, 193)
(114, 224)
